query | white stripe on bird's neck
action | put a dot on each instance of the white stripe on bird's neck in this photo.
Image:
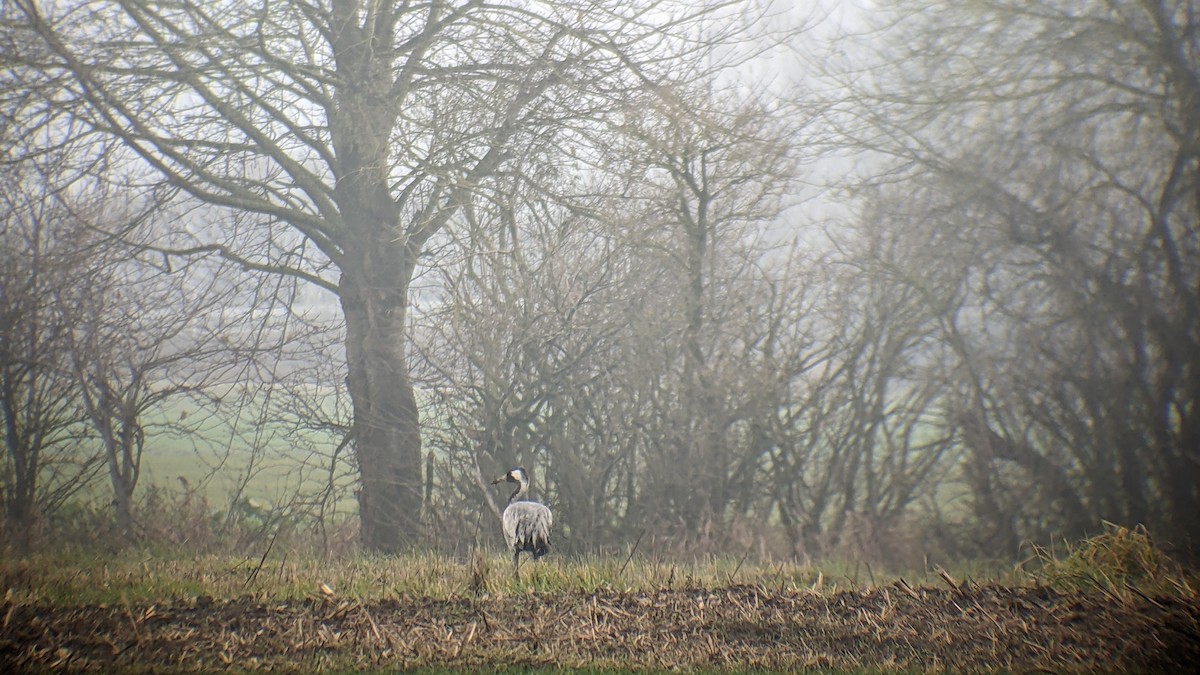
(522, 487)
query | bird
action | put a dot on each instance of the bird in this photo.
(526, 523)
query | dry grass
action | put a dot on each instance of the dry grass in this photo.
(892, 628)
(139, 612)
(1121, 563)
(78, 578)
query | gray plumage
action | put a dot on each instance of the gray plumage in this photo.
(526, 523)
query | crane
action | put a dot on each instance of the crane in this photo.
(526, 523)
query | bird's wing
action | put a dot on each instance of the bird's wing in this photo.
(526, 523)
(511, 516)
(542, 521)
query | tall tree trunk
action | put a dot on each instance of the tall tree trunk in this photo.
(374, 296)
(377, 264)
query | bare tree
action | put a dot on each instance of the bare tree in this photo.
(363, 129)
(1050, 163)
(517, 355)
(710, 170)
(563, 344)
(143, 337)
(48, 456)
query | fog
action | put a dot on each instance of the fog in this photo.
(892, 284)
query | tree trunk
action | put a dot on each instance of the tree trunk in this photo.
(387, 441)
(123, 503)
(125, 466)
(378, 260)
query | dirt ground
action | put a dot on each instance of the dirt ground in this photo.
(889, 628)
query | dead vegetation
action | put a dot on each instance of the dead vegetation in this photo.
(1120, 563)
(149, 615)
(895, 627)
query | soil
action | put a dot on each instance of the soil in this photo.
(888, 628)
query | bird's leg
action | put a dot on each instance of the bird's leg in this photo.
(516, 574)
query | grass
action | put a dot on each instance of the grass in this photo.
(245, 448)
(83, 578)
(76, 578)
(1120, 562)
(70, 575)
(429, 612)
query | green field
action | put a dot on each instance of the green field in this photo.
(239, 452)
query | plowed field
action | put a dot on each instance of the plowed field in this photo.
(887, 628)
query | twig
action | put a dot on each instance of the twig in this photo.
(137, 632)
(631, 552)
(374, 626)
(466, 640)
(262, 561)
(903, 585)
(739, 565)
(954, 585)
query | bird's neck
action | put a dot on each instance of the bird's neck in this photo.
(519, 492)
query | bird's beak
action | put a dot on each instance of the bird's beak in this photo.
(501, 479)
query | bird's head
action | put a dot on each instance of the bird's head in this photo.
(514, 475)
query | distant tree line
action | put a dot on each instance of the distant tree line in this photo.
(558, 236)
